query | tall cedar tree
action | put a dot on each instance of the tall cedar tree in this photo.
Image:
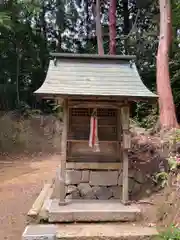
(99, 27)
(166, 103)
(112, 27)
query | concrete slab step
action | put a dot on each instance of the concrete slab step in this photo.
(40, 232)
(106, 231)
(92, 211)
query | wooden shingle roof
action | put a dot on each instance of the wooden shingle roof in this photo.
(93, 75)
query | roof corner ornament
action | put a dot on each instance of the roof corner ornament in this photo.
(55, 62)
(131, 63)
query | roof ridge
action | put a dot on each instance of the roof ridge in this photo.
(92, 56)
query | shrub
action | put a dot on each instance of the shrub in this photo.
(172, 233)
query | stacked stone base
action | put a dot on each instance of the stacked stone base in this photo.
(100, 184)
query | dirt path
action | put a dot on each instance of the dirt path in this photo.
(20, 182)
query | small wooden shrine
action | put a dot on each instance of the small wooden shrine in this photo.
(94, 182)
(96, 93)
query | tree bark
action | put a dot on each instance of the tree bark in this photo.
(166, 104)
(112, 27)
(86, 8)
(126, 27)
(60, 22)
(17, 77)
(99, 29)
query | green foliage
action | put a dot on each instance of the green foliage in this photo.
(25, 110)
(172, 233)
(146, 116)
(174, 162)
(161, 179)
(5, 19)
(57, 111)
(175, 137)
(38, 27)
(29, 30)
(174, 159)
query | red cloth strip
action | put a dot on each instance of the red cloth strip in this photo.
(94, 131)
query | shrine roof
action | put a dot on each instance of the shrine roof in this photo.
(93, 75)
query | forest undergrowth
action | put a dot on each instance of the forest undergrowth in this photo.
(157, 154)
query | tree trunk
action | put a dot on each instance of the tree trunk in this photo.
(86, 8)
(43, 31)
(112, 27)
(17, 77)
(99, 29)
(126, 27)
(60, 23)
(166, 103)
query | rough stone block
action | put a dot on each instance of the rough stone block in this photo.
(136, 188)
(139, 177)
(85, 176)
(90, 195)
(131, 184)
(132, 173)
(103, 178)
(84, 188)
(74, 195)
(73, 177)
(116, 191)
(102, 193)
(70, 189)
(86, 191)
(40, 232)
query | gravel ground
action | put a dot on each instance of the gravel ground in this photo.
(21, 180)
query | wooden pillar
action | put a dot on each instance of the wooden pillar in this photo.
(126, 142)
(119, 138)
(62, 173)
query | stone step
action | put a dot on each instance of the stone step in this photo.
(91, 231)
(105, 231)
(92, 211)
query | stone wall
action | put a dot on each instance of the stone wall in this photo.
(100, 184)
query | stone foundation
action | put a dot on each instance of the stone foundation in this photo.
(100, 184)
